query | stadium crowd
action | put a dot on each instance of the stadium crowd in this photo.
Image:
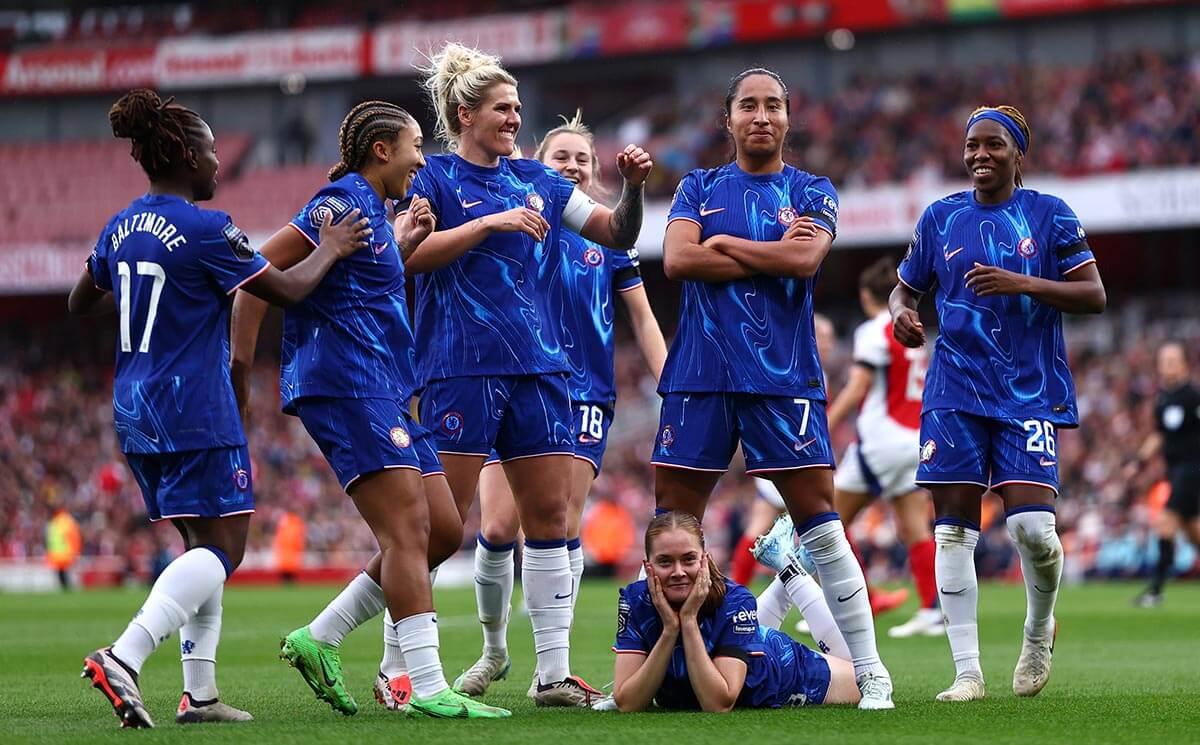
(1127, 111)
(57, 447)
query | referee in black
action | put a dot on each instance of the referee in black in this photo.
(1177, 413)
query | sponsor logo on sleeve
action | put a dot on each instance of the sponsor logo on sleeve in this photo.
(745, 621)
(829, 208)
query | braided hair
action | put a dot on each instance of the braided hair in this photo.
(367, 123)
(161, 131)
(1012, 113)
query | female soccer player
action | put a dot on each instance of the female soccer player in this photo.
(687, 638)
(492, 364)
(170, 267)
(748, 238)
(348, 372)
(1003, 263)
(582, 296)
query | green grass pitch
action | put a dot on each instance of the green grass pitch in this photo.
(1120, 675)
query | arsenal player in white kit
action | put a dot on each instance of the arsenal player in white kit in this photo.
(885, 385)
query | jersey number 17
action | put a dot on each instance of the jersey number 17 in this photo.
(144, 269)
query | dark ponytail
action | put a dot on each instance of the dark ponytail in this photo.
(159, 130)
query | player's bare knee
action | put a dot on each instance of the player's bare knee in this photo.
(549, 522)
(500, 532)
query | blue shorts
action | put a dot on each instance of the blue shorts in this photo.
(700, 431)
(359, 436)
(427, 454)
(518, 416)
(195, 483)
(590, 433)
(805, 673)
(962, 448)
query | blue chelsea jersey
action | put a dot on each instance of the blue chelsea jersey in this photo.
(772, 668)
(751, 335)
(1001, 356)
(582, 296)
(171, 267)
(351, 337)
(488, 312)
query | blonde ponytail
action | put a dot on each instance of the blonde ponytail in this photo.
(456, 76)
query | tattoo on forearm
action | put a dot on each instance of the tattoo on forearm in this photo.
(626, 220)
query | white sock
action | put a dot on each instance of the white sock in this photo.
(494, 575)
(359, 602)
(809, 599)
(198, 640)
(575, 556)
(1034, 534)
(176, 596)
(773, 605)
(546, 582)
(958, 593)
(392, 664)
(845, 591)
(418, 639)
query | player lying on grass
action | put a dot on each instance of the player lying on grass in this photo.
(688, 638)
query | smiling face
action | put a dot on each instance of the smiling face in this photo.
(571, 155)
(758, 117)
(991, 157)
(492, 128)
(676, 559)
(404, 159)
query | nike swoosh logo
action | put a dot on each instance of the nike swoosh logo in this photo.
(329, 680)
(561, 597)
(1047, 592)
(954, 253)
(804, 445)
(1045, 462)
(469, 205)
(706, 213)
(481, 583)
(844, 599)
(953, 592)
